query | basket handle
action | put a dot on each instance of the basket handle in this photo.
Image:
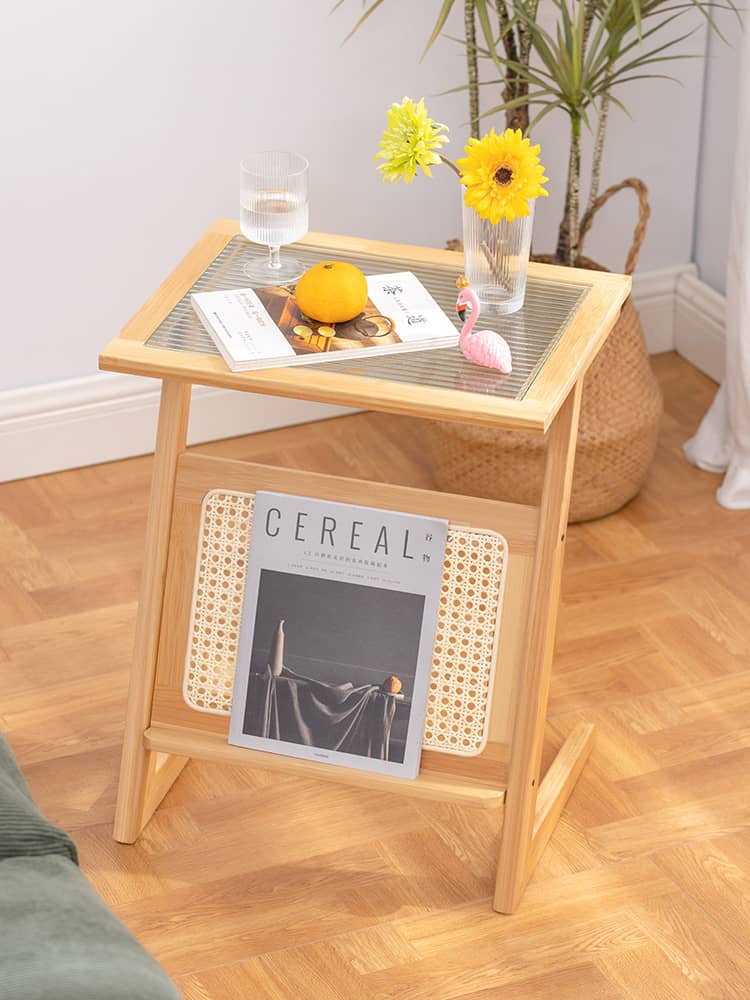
(644, 211)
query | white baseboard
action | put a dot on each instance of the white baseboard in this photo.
(699, 325)
(104, 417)
(679, 312)
(654, 296)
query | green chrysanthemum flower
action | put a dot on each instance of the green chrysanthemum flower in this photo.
(410, 141)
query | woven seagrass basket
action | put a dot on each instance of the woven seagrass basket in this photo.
(620, 410)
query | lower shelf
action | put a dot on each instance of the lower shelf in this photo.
(449, 779)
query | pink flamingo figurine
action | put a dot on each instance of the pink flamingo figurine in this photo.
(485, 347)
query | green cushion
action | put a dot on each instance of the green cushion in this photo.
(23, 829)
(60, 941)
(57, 938)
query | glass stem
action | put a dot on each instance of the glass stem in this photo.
(274, 258)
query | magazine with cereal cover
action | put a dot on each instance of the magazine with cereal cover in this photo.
(337, 633)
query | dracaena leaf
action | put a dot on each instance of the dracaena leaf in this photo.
(370, 10)
(439, 24)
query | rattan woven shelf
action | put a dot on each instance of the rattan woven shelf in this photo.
(465, 642)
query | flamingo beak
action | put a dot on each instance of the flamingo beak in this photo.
(461, 310)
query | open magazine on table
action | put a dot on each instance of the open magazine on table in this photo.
(265, 328)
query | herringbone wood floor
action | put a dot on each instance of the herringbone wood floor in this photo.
(248, 886)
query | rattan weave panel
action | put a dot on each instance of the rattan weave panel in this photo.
(465, 641)
(531, 333)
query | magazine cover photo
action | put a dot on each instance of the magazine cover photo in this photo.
(333, 665)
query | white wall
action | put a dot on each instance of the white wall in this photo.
(718, 143)
(124, 122)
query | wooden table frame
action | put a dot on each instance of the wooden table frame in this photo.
(161, 733)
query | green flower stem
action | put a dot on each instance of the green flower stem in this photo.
(502, 275)
(450, 163)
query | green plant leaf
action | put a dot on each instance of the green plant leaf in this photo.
(546, 106)
(652, 54)
(370, 10)
(442, 18)
(484, 22)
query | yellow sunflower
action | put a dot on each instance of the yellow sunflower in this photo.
(501, 173)
(411, 140)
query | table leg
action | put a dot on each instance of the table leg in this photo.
(146, 776)
(524, 833)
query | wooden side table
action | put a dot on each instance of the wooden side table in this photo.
(566, 318)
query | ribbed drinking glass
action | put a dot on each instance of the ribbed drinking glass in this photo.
(273, 212)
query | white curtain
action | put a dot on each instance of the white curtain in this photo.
(722, 442)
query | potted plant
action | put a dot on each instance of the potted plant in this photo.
(578, 69)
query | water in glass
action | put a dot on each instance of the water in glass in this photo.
(273, 218)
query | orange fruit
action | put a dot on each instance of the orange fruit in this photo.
(392, 685)
(332, 292)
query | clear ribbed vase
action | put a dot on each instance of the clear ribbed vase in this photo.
(496, 259)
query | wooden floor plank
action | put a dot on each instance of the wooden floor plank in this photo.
(500, 959)
(693, 943)
(647, 973)
(716, 875)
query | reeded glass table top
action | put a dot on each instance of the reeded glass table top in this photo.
(532, 333)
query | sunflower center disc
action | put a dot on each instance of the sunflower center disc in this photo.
(503, 175)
